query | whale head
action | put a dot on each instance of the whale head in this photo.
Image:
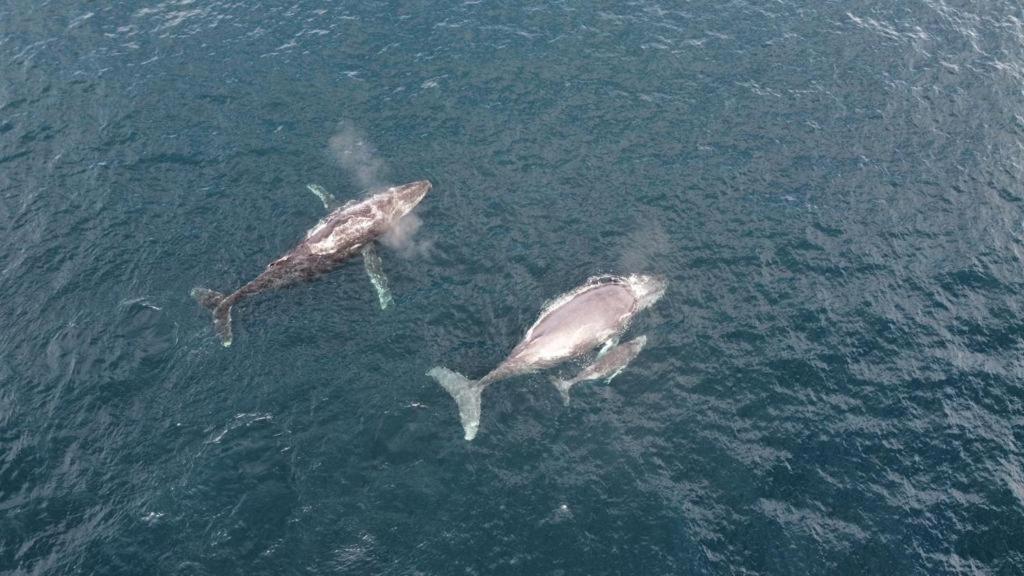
(647, 288)
(402, 199)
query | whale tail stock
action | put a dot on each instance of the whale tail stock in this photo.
(220, 306)
(466, 393)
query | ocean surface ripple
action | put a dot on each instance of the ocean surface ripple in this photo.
(833, 383)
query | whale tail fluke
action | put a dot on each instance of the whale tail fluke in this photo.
(563, 388)
(209, 299)
(466, 393)
(216, 303)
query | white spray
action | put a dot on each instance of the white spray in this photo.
(350, 148)
(353, 152)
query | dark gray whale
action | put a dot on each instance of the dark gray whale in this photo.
(345, 232)
(570, 326)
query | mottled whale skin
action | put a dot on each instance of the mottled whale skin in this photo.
(570, 326)
(606, 367)
(336, 238)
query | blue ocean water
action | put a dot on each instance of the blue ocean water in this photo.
(832, 383)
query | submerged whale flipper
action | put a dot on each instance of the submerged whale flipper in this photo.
(611, 343)
(326, 197)
(215, 302)
(375, 270)
(609, 379)
(467, 395)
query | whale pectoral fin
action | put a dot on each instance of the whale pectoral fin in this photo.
(326, 197)
(611, 343)
(614, 374)
(375, 270)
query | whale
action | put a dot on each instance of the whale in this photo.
(347, 230)
(569, 327)
(606, 367)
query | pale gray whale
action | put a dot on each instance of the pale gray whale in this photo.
(607, 366)
(570, 326)
(344, 232)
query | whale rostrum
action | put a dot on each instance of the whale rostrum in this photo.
(346, 231)
(570, 326)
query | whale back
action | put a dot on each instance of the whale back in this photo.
(590, 310)
(575, 323)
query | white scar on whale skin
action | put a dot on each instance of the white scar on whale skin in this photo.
(354, 228)
(339, 236)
